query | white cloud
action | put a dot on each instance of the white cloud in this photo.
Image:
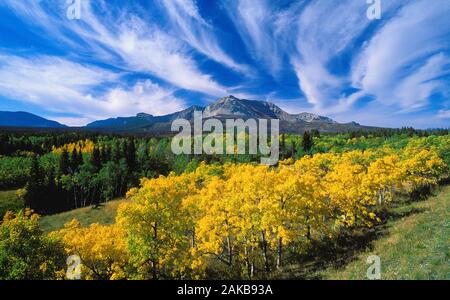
(144, 96)
(254, 21)
(61, 86)
(70, 121)
(402, 63)
(198, 33)
(444, 114)
(124, 40)
(42, 80)
(324, 30)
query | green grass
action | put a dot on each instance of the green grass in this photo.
(9, 201)
(104, 215)
(413, 244)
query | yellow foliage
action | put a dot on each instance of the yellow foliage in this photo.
(102, 249)
(85, 146)
(156, 224)
(242, 216)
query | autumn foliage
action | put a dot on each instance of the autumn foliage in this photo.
(229, 220)
(244, 220)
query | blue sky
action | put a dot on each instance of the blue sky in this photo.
(160, 56)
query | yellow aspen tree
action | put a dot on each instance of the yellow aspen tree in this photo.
(102, 249)
(156, 226)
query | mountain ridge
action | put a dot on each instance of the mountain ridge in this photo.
(226, 108)
(26, 119)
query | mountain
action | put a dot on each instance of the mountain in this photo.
(228, 108)
(24, 119)
(122, 123)
(233, 107)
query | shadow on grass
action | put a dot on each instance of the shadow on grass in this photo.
(346, 247)
(98, 206)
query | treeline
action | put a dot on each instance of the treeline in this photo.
(74, 179)
(389, 132)
(62, 171)
(17, 143)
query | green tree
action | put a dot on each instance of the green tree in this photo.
(35, 186)
(26, 253)
(130, 155)
(64, 162)
(96, 159)
(307, 141)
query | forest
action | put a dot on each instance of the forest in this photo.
(202, 216)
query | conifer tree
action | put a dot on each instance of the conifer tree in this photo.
(74, 160)
(35, 184)
(307, 141)
(96, 159)
(64, 162)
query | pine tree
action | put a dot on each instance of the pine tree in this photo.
(307, 141)
(35, 185)
(116, 152)
(315, 133)
(131, 155)
(79, 159)
(105, 154)
(96, 159)
(52, 195)
(64, 162)
(283, 146)
(293, 149)
(74, 160)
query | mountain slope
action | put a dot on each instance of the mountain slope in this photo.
(228, 108)
(139, 120)
(24, 119)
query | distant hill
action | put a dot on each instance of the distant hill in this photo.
(229, 108)
(24, 119)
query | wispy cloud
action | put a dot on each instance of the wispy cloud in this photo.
(340, 56)
(198, 33)
(444, 114)
(323, 56)
(61, 86)
(324, 30)
(253, 20)
(137, 45)
(405, 61)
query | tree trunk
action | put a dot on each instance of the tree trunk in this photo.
(279, 252)
(193, 238)
(230, 251)
(264, 251)
(248, 264)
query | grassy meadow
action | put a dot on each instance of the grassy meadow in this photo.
(104, 214)
(413, 244)
(9, 201)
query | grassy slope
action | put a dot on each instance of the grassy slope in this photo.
(9, 201)
(104, 215)
(414, 243)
